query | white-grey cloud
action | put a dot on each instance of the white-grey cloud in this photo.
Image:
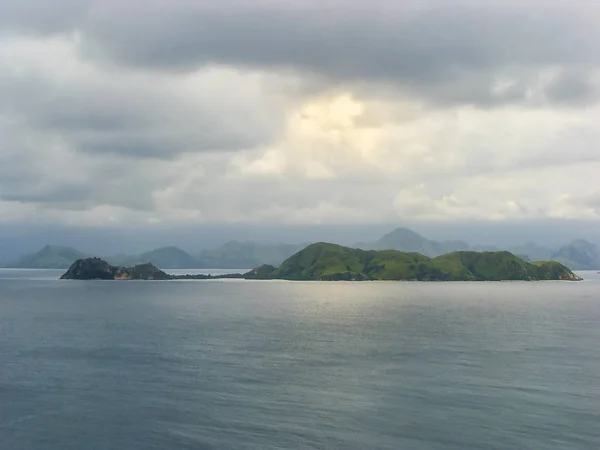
(448, 51)
(124, 112)
(317, 112)
(41, 17)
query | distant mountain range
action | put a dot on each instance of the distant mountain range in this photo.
(577, 255)
(49, 257)
(231, 255)
(408, 241)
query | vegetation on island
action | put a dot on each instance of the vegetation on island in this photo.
(331, 262)
(98, 269)
(324, 261)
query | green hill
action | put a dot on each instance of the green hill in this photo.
(492, 266)
(324, 261)
(98, 269)
(49, 257)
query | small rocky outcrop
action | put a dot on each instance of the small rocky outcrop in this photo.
(570, 276)
(97, 269)
(90, 269)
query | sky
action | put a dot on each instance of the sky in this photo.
(139, 120)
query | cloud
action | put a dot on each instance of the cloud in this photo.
(447, 51)
(136, 113)
(297, 113)
(40, 17)
(573, 87)
(520, 195)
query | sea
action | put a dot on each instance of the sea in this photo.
(234, 364)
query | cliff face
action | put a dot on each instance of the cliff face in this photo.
(90, 269)
(97, 269)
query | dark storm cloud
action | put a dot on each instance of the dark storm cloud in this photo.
(180, 110)
(449, 51)
(43, 17)
(61, 196)
(573, 88)
(122, 127)
(70, 182)
(141, 115)
(156, 145)
(362, 38)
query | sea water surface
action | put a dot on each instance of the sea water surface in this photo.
(233, 364)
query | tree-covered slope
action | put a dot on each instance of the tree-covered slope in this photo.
(98, 269)
(491, 266)
(321, 260)
(324, 261)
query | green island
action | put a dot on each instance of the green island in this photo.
(330, 262)
(98, 269)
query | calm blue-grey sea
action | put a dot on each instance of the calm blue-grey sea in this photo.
(231, 364)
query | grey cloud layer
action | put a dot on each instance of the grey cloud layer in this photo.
(141, 116)
(450, 51)
(43, 17)
(144, 107)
